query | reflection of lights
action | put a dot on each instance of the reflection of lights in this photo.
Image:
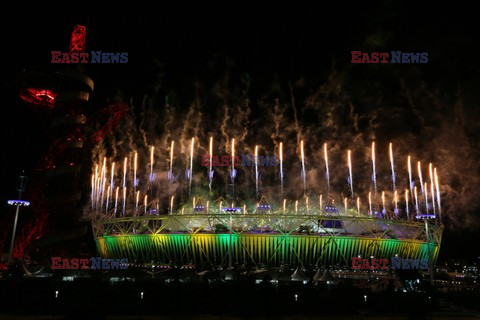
(296, 297)
(365, 297)
(18, 203)
(56, 294)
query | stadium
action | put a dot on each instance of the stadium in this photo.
(267, 238)
(310, 232)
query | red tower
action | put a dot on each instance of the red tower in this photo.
(61, 97)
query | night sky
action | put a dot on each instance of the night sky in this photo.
(172, 51)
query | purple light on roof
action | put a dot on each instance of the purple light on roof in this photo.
(233, 174)
(264, 207)
(425, 216)
(152, 177)
(331, 209)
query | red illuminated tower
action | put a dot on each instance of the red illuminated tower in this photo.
(60, 96)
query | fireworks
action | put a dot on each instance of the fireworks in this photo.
(210, 171)
(152, 151)
(395, 200)
(233, 154)
(145, 203)
(406, 203)
(327, 173)
(437, 187)
(349, 159)
(358, 205)
(426, 198)
(171, 156)
(370, 202)
(416, 200)
(112, 172)
(124, 200)
(135, 181)
(136, 201)
(125, 172)
(419, 167)
(280, 152)
(105, 193)
(304, 176)
(190, 175)
(383, 203)
(374, 173)
(409, 168)
(390, 149)
(256, 170)
(116, 202)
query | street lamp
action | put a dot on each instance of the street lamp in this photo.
(21, 186)
(425, 217)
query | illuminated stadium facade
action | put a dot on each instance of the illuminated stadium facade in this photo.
(262, 238)
(134, 223)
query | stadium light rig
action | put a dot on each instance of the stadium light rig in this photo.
(21, 186)
(18, 203)
(426, 216)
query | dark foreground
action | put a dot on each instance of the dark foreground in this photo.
(42, 298)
